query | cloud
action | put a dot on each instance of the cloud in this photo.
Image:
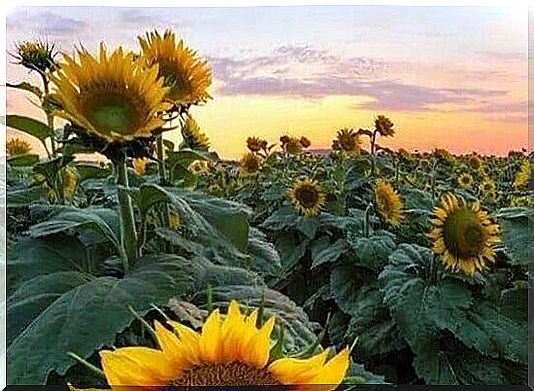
(45, 23)
(149, 17)
(306, 72)
(506, 107)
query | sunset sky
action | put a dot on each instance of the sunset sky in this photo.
(452, 77)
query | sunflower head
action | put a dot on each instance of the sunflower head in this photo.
(110, 96)
(424, 163)
(140, 165)
(187, 77)
(463, 235)
(307, 197)
(347, 140)
(305, 142)
(174, 221)
(487, 186)
(291, 145)
(384, 126)
(388, 203)
(250, 163)
(199, 167)
(256, 144)
(17, 146)
(193, 137)
(522, 176)
(36, 55)
(521, 201)
(232, 351)
(474, 162)
(444, 155)
(465, 180)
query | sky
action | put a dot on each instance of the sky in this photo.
(448, 77)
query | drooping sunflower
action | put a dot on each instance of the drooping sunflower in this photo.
(463, 235)
(250, 163)
(229, 352)
(17, 146)
(347, 140)
(193, 137)
(140, 165)
(256, 144)
(384, 126)
(305, 142)
(465, 180)
(36, 55)
(110, 97)
(187, 77)
(291, 145)
(522, 176)
(307, 197)
(388, 203)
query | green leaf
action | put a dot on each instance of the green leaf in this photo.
(25, 86)
(30, 126)
(88, 317)
(308, 226)
(25, 197)
(282, 219)
(325, 252)
(346, 284)
(516, 234)
(291, 253)
(92, 171)
(23, 160)
(372, 252)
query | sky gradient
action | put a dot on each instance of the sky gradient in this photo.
(452, 77)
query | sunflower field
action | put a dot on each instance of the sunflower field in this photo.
(161, 264)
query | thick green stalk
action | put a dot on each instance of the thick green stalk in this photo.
(161, 163)
(128, 230)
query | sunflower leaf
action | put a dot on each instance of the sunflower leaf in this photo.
(30, 126)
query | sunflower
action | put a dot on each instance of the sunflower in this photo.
(111, 97)
(174, 221)
(229, 352)
(307, 197)
(305, 142)
(347, 140)
(16, 146)
(193, 137)
(444, 154)
(487, 186)
(291, 145)
(463, 235)
(36, 56)
(388, 203)
(474, 162)
(140, 165)
(465, 180)
(384, 126)
(256, 144)
(522, 176)
(187, 77)
(250, 163)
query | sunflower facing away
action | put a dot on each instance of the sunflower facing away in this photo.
(291, 145)
(250, 163)
(16, 146)
(384, 126)
(193, 137)
(307, 197)
(229, 352)
(347, 140)
(256, 144)
(110, 96)
(388, 203)
(463, 235)
(187, 77)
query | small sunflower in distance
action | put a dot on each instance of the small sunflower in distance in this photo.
(193, 137)
(465, 180)
(463, 235)
(487, 186)
(250, 163)
(36, 55)
(140, 165)
(474, 162)
(229, 352)
(347, 140)
(307, 197)
(291, 145)
(16, 146)
(384, 126)
(111, 96)
(388, 203)
(187, 77)
(256, 144)
(305, 142)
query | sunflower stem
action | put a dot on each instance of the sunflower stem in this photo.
(161, 163)
(87, 364)
(129, 233)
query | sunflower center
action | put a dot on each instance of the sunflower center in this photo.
(307, 196)
(113, 114)
(233, 374)
(464, 235)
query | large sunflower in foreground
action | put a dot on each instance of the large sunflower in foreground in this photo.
(110, 96)
(463, 235)
(307, 197)
(187, 77)
(233, 352)
(388, 203)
